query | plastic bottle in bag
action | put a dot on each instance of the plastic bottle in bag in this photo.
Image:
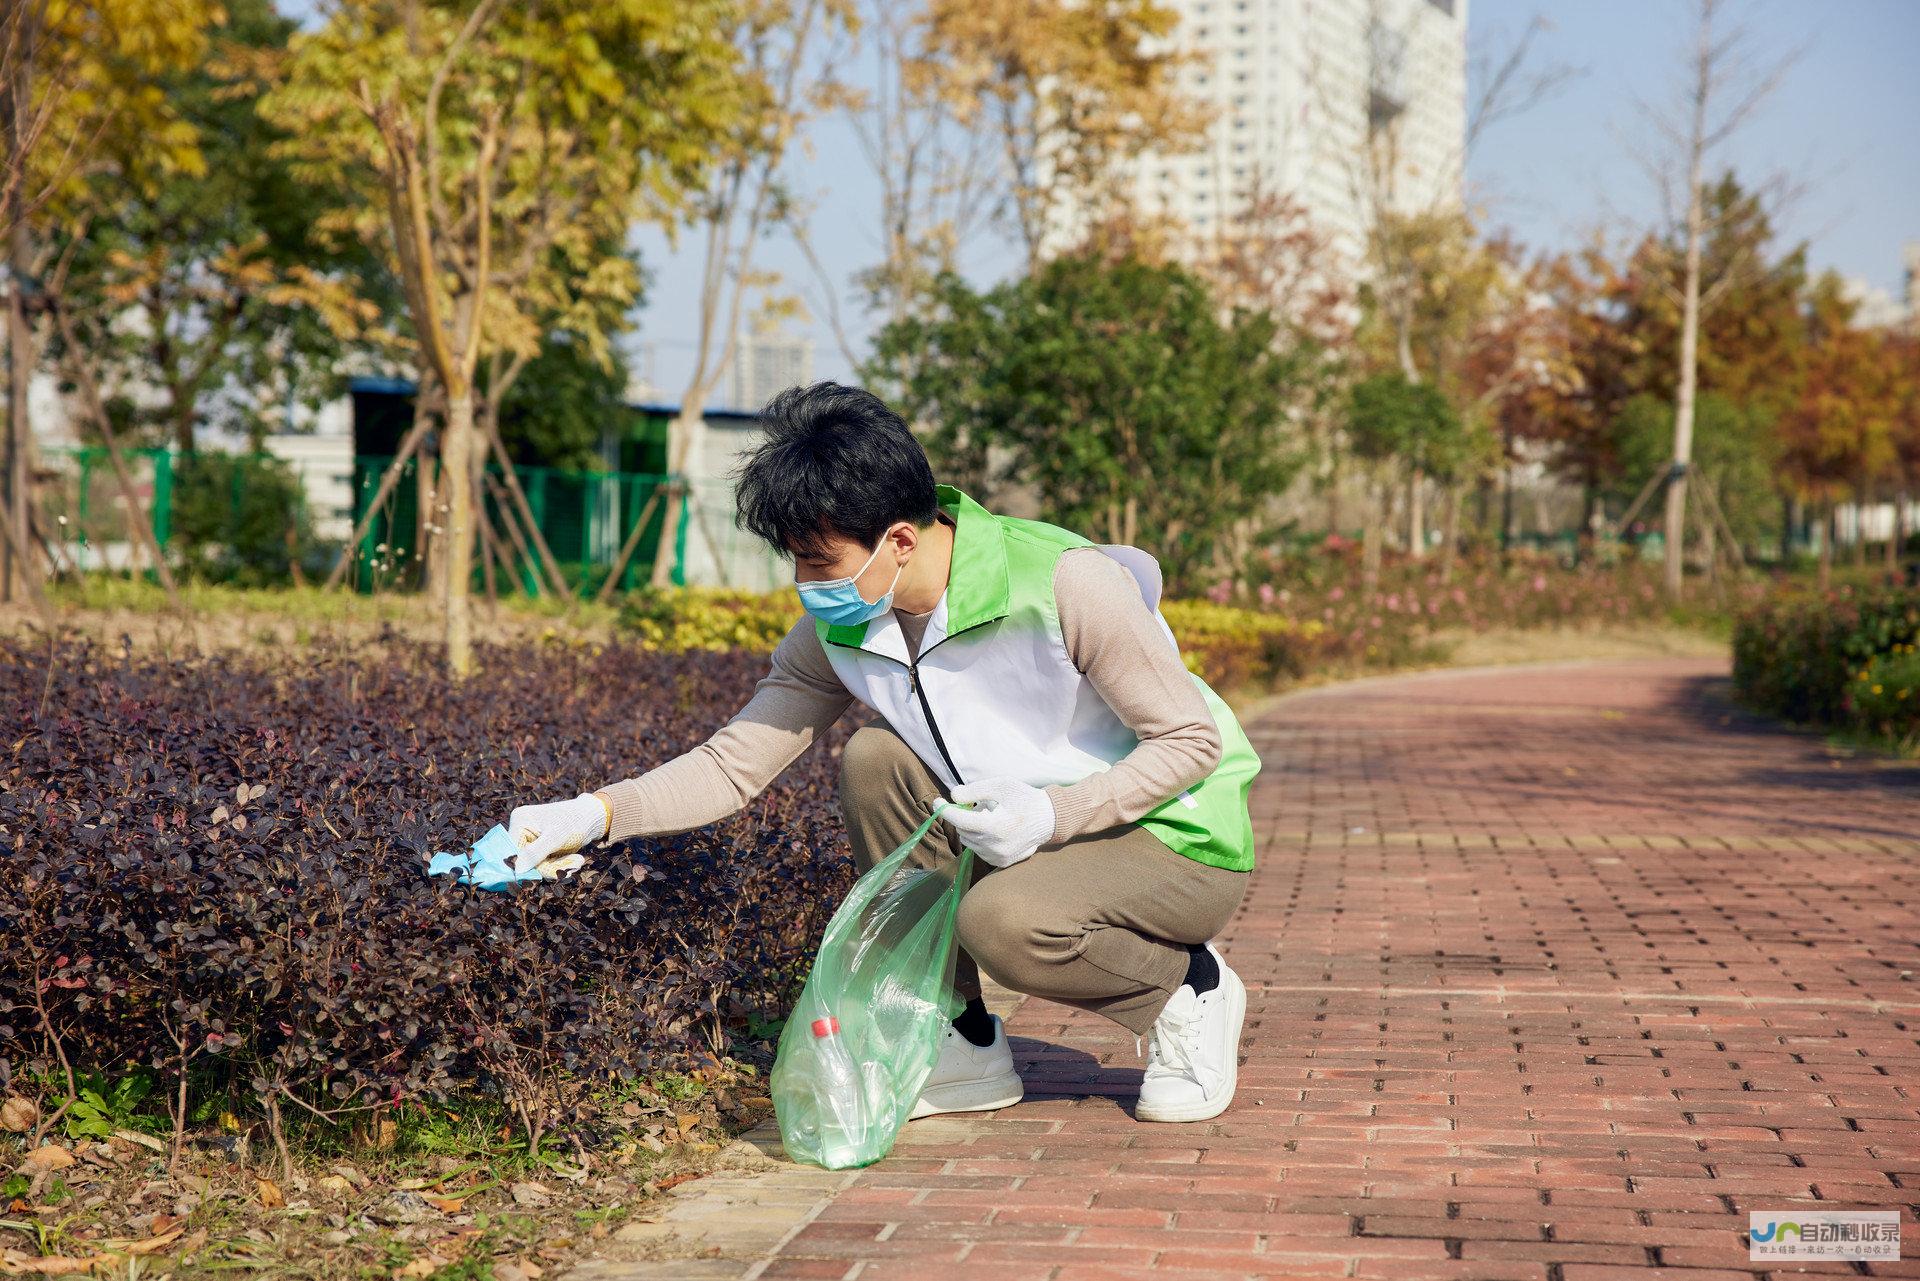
(863, 1036)
(838, 1098)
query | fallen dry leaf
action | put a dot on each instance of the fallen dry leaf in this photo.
(271, 1197)
(18, 1115)
(424, 1266)
(165, 1223)
(446, 1204)
(335, 1183)
(15, 1264)
(687, 1122)
(48, 1157)
(152, 1245)
(144, 1140)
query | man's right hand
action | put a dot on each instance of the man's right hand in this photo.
(545, 834)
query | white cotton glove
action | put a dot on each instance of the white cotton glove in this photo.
(1009, 820)
(546, 836)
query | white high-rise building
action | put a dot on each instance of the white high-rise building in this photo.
(763, 365)
(1337, 104)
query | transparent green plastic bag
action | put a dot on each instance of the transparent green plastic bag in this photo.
(864, 1034)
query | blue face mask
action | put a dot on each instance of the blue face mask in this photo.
(837, 602)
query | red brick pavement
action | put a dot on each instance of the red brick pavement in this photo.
(1553, 975)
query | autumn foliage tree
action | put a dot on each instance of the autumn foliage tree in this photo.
(1069, 91)
(1843, 433)
(74, 79)
(493, 150)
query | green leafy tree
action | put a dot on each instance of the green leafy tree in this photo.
(1395, 424)
(555, 412)
(1734, 451)
(1120, 393)
(240, 518)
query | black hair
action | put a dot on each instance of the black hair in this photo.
(835, 460)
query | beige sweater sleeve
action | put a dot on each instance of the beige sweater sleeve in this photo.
(798, 700)
(1111, 636)
(1116, 641)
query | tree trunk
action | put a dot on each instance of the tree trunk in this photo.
(456, 482)
(681, 436)
(1450, 539)
(1675, 568)
(1709, 544)
(510, 481)
(1826, 544)
(1893, 534)
(1417, 513)
(426, 514)
(1370, 545)
(140, 518)
(1333, 494)
(1506, 500)
(14, 578)
(409, 444)
(1896, 544)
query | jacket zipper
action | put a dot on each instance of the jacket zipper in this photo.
(920, 691)
(913, 679)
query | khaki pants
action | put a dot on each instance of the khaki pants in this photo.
(1100, 922)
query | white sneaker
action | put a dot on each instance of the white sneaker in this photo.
(1193, 1052)
(970, 1078)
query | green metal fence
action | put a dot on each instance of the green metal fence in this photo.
(584, 517)
(83, 510)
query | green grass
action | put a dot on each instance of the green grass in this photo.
(462, 1149)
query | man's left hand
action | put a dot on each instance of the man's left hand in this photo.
(1009, 821)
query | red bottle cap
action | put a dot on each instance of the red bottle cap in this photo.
(826, 1027)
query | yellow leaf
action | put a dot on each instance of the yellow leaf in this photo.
(18, 1115)
(49, 1157)
(271, 1197)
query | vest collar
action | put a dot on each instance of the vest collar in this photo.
(978, 590)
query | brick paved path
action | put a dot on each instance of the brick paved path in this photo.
(1552, 974)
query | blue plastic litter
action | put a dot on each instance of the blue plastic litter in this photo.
(489, 864)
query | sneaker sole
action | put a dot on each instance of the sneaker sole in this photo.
(985, 1095)
(1207, 1109)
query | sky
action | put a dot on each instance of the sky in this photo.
(1842, 124)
